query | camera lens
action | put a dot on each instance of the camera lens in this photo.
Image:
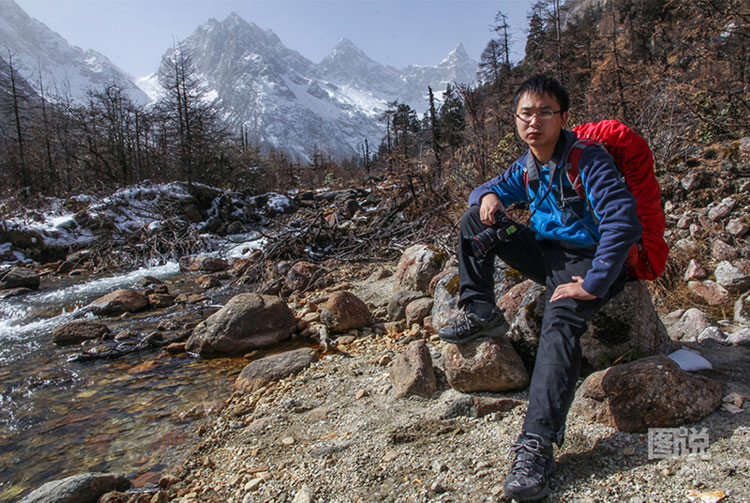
(487, 240)
(482, 243)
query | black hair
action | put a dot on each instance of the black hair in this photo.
(540, 84)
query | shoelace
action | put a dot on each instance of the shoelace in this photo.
(463, 324)
(529, 455)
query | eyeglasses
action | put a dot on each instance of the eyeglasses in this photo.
(527, 116)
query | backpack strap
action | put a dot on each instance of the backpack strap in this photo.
(572, 172)
(531, 176)
(531, 181)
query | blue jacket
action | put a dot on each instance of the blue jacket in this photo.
(606, 220)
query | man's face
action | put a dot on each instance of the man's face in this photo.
(539, 132)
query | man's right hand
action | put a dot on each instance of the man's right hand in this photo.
(488, 206)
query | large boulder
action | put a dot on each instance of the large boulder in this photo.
(652, 392)
(418, 264)
(272, 368)
(626, 326)
(79, 331)
(119, 302)
(446, 291)
(248, 321)
(19, 277)
(511, 300)
(445, 306)
(484, 365)
(412, 372)
(345, 311)
(526, 320)
(81, 488)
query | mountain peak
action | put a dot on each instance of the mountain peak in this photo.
(345, 43)
(346, 49)
(236, 22)
(234, 17)
(235, 38)
(458, 54)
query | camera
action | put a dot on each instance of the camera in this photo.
(501, 232)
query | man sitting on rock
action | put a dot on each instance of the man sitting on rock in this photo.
(576, 248)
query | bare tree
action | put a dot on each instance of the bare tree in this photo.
(18, 100)
(501, 28)
(191, 117)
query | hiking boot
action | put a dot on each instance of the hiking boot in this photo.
(529, 476)
(468, 325)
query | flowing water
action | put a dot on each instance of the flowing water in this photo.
(136, 415)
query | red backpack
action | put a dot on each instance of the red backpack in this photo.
(647, 259)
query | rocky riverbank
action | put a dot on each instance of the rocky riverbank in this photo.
(336, 425)
(336, 433)
(366, 403)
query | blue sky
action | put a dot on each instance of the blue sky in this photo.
(135, 33)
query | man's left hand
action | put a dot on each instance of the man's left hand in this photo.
(572, 290)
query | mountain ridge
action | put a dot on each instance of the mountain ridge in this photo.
(284, 100)
(258, 85)
(66, 69)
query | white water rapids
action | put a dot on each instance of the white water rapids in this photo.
(26, 321)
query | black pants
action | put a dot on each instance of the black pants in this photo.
(558, 359)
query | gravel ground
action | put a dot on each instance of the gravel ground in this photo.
(334, 433)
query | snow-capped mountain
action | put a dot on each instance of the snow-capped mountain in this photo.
(285, 100)
(67, 71)
(456, 67)
(346, 64)
(259, 86)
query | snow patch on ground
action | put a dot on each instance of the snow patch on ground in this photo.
(279, 203)
(79, 221)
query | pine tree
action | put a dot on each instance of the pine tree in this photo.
(435, 129)
(452, 118)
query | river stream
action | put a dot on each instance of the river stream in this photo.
(136, 415)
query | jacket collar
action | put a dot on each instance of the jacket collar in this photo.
(564, 144)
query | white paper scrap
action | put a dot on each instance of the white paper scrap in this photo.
(690, 360)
